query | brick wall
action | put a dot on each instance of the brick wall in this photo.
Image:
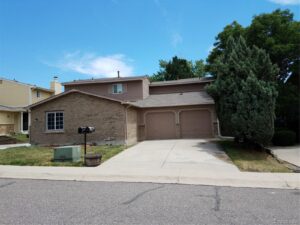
(108, 117)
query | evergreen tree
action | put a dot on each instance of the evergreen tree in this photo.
(245, 91)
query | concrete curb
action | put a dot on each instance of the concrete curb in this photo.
(239, 179)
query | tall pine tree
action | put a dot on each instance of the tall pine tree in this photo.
(245, 91)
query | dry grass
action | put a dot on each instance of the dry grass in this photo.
(247, 158)
(42, 156)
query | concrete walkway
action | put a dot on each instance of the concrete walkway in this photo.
(173, 161)
(290, 154)
(14, 145)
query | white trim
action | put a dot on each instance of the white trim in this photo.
(122, 91)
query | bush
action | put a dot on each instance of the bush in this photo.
(284, 138)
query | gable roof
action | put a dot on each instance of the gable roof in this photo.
(175, 99)
(181, 81)
(70, 92)
(105, 80)
(29, 85)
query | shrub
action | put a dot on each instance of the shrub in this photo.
(284, 138)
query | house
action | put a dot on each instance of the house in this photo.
(125, 110)
(14, 98)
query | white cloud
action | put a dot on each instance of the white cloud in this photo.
(286, 2)
(176, 39)
(96, 66)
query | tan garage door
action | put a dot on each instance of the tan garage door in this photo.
(160, 125)
(195, 124)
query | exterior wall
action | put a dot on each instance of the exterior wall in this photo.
(132, 132)
(14, 94)
(43, 95)
(133, 90)
(176, 111)
(146, 83)
(17, 123)
(106, 116)
(9, 122)
(177, 88)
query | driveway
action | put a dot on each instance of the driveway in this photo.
(170, 157)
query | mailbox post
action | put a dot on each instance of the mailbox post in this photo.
(85, 131)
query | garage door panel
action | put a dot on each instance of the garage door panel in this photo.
(160, 125)
(195, 124)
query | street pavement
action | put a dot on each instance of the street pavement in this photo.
(72, 202)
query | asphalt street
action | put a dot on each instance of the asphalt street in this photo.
(71, 202)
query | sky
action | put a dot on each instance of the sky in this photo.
(81, 39)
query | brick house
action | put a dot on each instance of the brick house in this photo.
(125, 110)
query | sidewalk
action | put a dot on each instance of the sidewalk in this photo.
(290, 154)
(2, 147)
(232, 179)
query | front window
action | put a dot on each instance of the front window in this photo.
(38, 94)
(55, 121)
(117, 88)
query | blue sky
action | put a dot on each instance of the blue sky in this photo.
(78, 39)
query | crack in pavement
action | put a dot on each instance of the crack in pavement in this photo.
(216, 197)
(7, 184)
(141, 194)
(162, 165)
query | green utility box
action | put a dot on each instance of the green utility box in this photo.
(67, 153)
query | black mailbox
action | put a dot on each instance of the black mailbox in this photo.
(86, 130)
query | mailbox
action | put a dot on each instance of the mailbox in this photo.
(86, 130)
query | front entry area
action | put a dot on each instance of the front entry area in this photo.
(175, 124)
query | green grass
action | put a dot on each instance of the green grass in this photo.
(42, 156)
(21, 138)
(247, 158)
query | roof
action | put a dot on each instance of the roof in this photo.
(29, 85)
(70, 92)
(181, 81)
(105, 80)
(12, 108)
(174, 99)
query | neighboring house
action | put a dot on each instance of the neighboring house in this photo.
(125, 110)
(14, 98)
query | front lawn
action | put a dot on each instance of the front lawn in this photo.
(14, 139)
(42, 156)
(247, 158)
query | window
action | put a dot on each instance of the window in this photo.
(55, 121)
(117, 88)
(38, 94)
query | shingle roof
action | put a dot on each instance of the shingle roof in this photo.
(11, 108)
(181, 81)
(105, 80)
(174, 99)
(29, 85)
(70, 92)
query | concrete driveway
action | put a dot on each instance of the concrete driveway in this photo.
(169, 157)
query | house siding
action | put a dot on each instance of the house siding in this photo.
(133, 90)
(132, 131)
(108, 118)
(177, 88)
